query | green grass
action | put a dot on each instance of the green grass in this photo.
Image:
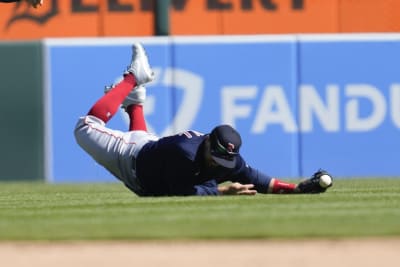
(352, 208)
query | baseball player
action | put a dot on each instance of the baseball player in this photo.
(34, 3)
(187, 163)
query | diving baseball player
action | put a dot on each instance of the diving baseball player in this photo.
(187, 163)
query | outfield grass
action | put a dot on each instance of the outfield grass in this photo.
(352, 208)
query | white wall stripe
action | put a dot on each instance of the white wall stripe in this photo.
(223, 39)
(48, 149)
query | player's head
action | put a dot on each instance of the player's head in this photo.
(225, 143)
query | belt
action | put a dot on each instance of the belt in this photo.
(133, 183)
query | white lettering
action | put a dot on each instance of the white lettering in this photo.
(364, 106)
(354, 122)
(395, 104)
(230, 110)
(311, 103)
(274, 109)
(314, 107)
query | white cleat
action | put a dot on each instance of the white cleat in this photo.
(140, 66)
(137, 96)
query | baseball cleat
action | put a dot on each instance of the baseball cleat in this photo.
(136, 96)
(140, 66)
(318, 183)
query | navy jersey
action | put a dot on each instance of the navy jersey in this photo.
(171, 166)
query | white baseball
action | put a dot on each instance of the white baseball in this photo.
(325, 181)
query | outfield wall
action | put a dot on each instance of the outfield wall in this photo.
(301, 102)
(21, 111)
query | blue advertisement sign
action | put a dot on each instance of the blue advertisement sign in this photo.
(299, 103)
(350, 106)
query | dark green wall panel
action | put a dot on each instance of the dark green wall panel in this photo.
(21, 111)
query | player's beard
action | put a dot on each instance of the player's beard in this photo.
(204, 160)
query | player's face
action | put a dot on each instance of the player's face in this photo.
(209, 161)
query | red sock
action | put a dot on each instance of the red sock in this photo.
(281, 187)
(136, 118)
(107, 106)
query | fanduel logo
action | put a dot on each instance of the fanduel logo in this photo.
(275, 109)
(351, 108)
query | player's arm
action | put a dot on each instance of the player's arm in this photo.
(246, 175)
(208, 188)
(263, 183)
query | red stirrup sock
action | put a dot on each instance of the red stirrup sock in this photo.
(106, 107)
(281, 187)
(136, 118)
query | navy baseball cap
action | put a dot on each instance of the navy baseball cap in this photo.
(225, 143)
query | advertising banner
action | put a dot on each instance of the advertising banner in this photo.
(128, 18)
(300, 102)
(349, 97)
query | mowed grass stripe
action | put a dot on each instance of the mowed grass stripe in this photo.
(34, 211)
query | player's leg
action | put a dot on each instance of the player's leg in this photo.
(106, 107)
(133, 105)
(134, 108)
(113, 149)
(136, 118)
(101, 143)
(138, 72)
(104, 144)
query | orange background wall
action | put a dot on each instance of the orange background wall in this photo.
(98, 18)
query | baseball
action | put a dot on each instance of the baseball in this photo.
(325, 181)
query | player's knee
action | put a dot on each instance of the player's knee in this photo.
(88, 126)
(80, 129)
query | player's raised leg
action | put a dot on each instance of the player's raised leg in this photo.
(138, 72)
(134, 108)
(107, 146)
(135, 100)
(133, 105)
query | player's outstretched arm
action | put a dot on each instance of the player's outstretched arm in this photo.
(237, 189)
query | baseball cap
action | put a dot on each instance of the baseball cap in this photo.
(225, 143)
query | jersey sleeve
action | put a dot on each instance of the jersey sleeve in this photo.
(249, 175)
(209, 188)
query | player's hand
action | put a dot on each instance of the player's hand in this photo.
(237, 189)
(35, 3)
